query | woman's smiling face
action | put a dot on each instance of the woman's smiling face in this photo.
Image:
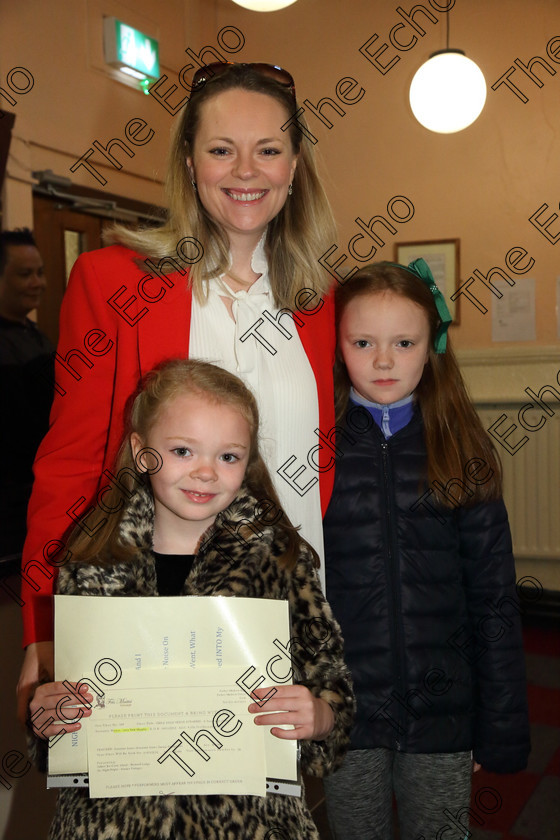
(242, 161)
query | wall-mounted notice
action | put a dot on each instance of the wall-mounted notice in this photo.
(513, 315)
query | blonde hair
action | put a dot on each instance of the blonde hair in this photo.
(296, 238)
(158, 388)
(453, 432)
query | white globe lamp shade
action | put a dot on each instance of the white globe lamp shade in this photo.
(448, 92)
(264, 5)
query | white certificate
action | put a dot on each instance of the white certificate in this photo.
(193, 653)
(176, 740)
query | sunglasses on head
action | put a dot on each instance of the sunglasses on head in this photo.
(271, 71)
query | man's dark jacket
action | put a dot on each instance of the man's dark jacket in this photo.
(427, 602)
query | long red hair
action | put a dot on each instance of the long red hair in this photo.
(453, 431)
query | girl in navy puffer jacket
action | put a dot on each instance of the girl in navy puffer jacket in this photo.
(420, 572)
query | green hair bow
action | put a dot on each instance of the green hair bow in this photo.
(421, 269)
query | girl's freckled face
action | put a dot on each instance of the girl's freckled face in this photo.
(384, 339)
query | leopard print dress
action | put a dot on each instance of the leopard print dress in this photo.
(235, 560)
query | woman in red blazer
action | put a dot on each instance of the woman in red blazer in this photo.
(233, 277)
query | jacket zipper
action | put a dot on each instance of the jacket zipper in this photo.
(395, 594)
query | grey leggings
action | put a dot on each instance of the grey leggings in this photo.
(432, 793)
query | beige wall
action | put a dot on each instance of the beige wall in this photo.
(76, 100)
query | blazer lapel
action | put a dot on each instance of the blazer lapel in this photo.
(163, 332)
(318, 338)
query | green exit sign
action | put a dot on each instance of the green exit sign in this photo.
(130, 50)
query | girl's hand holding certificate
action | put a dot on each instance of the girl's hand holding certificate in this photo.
(53, 700)
(311, 717)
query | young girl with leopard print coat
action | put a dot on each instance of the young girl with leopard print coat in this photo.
(179, 535)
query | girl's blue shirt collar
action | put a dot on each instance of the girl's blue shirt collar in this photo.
(390, 418)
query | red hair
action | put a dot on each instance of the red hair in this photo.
(453, 432)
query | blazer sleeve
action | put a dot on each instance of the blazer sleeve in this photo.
(317, 655)
(69, 463)
(495, 649)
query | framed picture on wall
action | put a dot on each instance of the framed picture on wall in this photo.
(442, 255)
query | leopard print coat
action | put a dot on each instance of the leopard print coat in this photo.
(234, 560)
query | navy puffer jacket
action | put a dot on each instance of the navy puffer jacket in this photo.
(427, 602)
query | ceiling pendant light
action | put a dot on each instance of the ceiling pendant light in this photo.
(264, 5)
(448, 92)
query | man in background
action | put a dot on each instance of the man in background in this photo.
(26, 382)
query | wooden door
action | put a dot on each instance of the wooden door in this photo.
(62, 235)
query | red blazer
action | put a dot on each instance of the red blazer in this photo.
(116, 323)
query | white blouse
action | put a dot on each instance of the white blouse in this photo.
(268, 355)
